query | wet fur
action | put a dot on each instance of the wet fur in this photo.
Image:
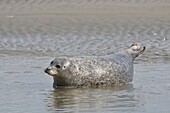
(95, 71)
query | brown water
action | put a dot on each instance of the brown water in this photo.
(32, 32)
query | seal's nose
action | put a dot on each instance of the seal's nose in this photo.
(47, 70)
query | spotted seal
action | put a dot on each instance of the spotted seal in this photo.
(95, 70)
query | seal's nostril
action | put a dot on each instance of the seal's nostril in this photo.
(46, 70)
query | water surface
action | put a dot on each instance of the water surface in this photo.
(33, 32)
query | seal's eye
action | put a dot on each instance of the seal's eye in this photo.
(57, 66)
(52, 62)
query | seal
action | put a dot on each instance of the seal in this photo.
(95, 71)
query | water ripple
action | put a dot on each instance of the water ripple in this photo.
(67, 33)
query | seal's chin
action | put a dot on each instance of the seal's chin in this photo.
(51, 72)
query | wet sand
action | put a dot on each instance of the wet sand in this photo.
(34, 32)
(86, 28)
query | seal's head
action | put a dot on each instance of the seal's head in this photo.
(57, 66)
(136, 49)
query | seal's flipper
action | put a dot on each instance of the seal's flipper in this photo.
(136, 49)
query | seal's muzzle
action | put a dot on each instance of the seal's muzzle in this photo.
(51, 71)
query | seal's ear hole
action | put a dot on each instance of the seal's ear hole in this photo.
(58, 66)
(64, 66)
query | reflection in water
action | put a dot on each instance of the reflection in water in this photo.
(93, 99)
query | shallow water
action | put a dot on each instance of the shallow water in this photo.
(25, 88)
(31, 37)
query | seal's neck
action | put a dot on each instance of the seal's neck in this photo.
(132, 55)
(58, 81)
